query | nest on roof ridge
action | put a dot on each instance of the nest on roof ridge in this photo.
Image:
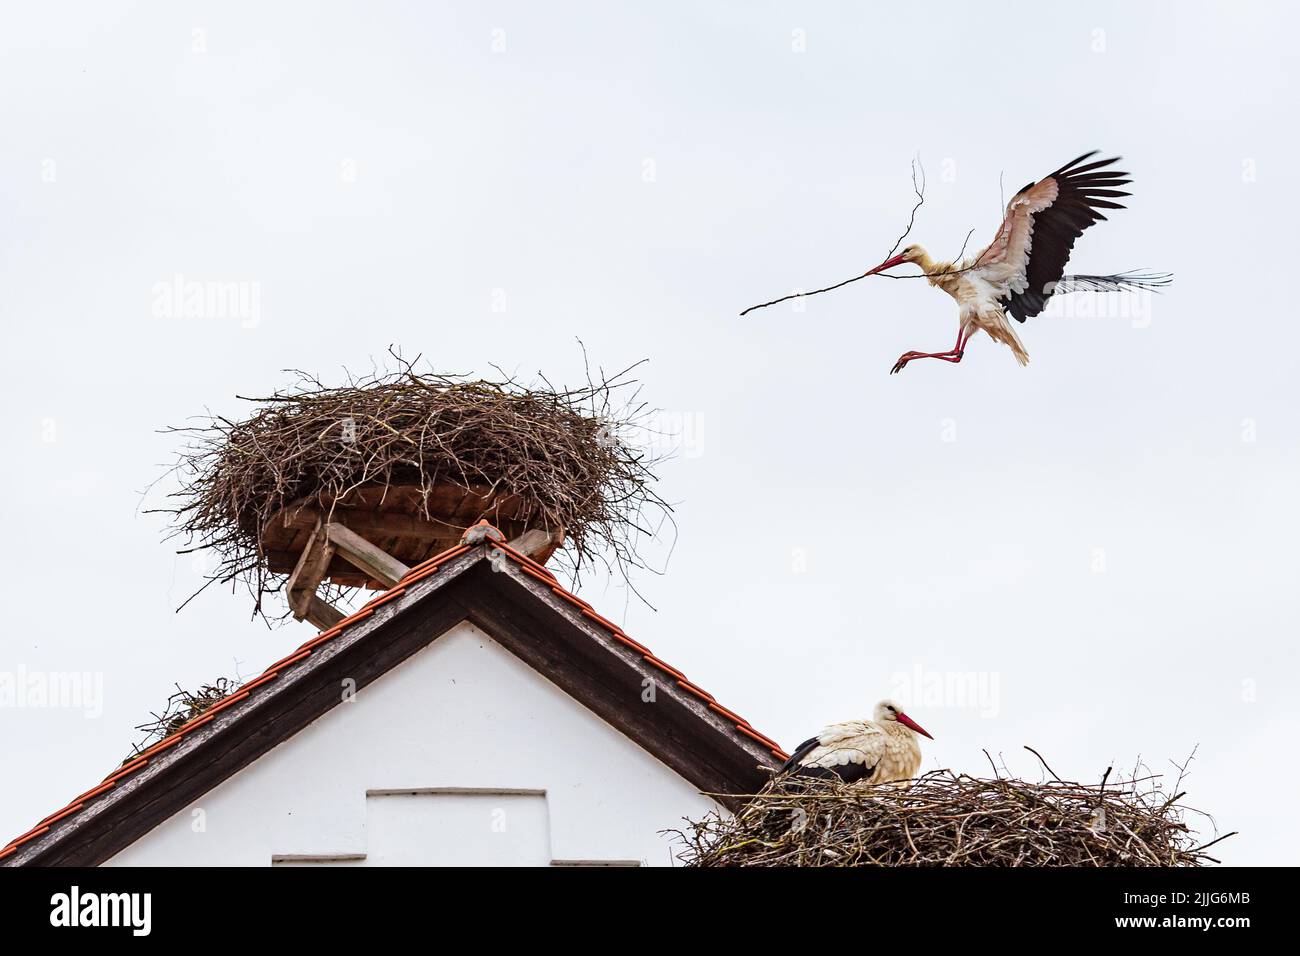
(947, 819)
(565, 456)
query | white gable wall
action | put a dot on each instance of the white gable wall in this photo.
(460, 754)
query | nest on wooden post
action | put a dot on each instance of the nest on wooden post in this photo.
(946, 819)
(563, 459)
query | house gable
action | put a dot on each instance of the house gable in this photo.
(461, 754)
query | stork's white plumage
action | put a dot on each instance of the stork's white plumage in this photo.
(1024, 265)
(879, 750)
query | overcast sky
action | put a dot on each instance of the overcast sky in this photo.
(1102, 544)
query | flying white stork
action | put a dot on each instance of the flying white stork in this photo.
(1025, 264)
(879, 750)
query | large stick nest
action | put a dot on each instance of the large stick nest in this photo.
(567, 454)
(946, 819)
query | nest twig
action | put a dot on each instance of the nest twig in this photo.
(567, 455)
(947, 819)
(182, 707)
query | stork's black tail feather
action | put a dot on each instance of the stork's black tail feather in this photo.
(1132, 281)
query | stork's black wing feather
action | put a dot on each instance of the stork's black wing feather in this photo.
(803, 750)
(850, 772)
(1081, 192)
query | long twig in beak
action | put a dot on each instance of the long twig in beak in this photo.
(918, 186)
(799, 295)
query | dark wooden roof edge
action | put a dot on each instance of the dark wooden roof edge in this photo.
(675, 725)
(594, 665)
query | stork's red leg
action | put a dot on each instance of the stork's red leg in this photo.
(952, 355)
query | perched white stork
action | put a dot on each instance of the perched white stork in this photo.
(1025, 264)
(879, 750)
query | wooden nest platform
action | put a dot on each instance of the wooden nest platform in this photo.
(372, 537)
(342, 486)
(404, 522)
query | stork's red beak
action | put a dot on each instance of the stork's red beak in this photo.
(907, 721)
(887, 264)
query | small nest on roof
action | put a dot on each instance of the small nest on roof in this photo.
(182, 707)
(566, 454)
(944, 819)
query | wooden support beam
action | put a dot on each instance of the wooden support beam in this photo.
(535, 542)
(307, 576)
(322, 615)
(375, 524)
(359, 552)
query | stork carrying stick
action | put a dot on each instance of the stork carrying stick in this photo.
(1024, 265)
